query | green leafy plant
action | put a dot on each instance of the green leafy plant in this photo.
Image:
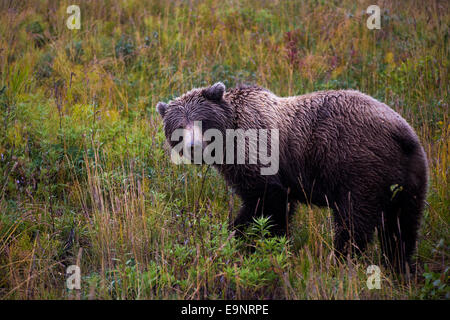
(436, 284)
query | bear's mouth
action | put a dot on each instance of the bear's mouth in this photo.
(193, 144)
(193, 154)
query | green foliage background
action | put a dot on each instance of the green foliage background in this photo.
(85, 178)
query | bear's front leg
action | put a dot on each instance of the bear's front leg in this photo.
(272, 201)
(245, 216)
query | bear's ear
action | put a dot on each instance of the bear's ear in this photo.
(161, 107)
(215, 92)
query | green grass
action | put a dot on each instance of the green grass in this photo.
(85, 178)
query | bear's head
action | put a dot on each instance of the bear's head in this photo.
(187, 117)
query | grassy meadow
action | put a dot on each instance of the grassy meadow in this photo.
(86, 179)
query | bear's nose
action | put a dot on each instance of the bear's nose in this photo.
(192, 141)
(193, 144)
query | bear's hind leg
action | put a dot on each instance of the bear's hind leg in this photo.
(399, 233)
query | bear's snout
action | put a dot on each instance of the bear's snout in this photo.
(192, 141)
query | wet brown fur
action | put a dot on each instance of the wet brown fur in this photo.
(341, 149)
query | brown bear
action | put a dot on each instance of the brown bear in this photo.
(341, 149)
